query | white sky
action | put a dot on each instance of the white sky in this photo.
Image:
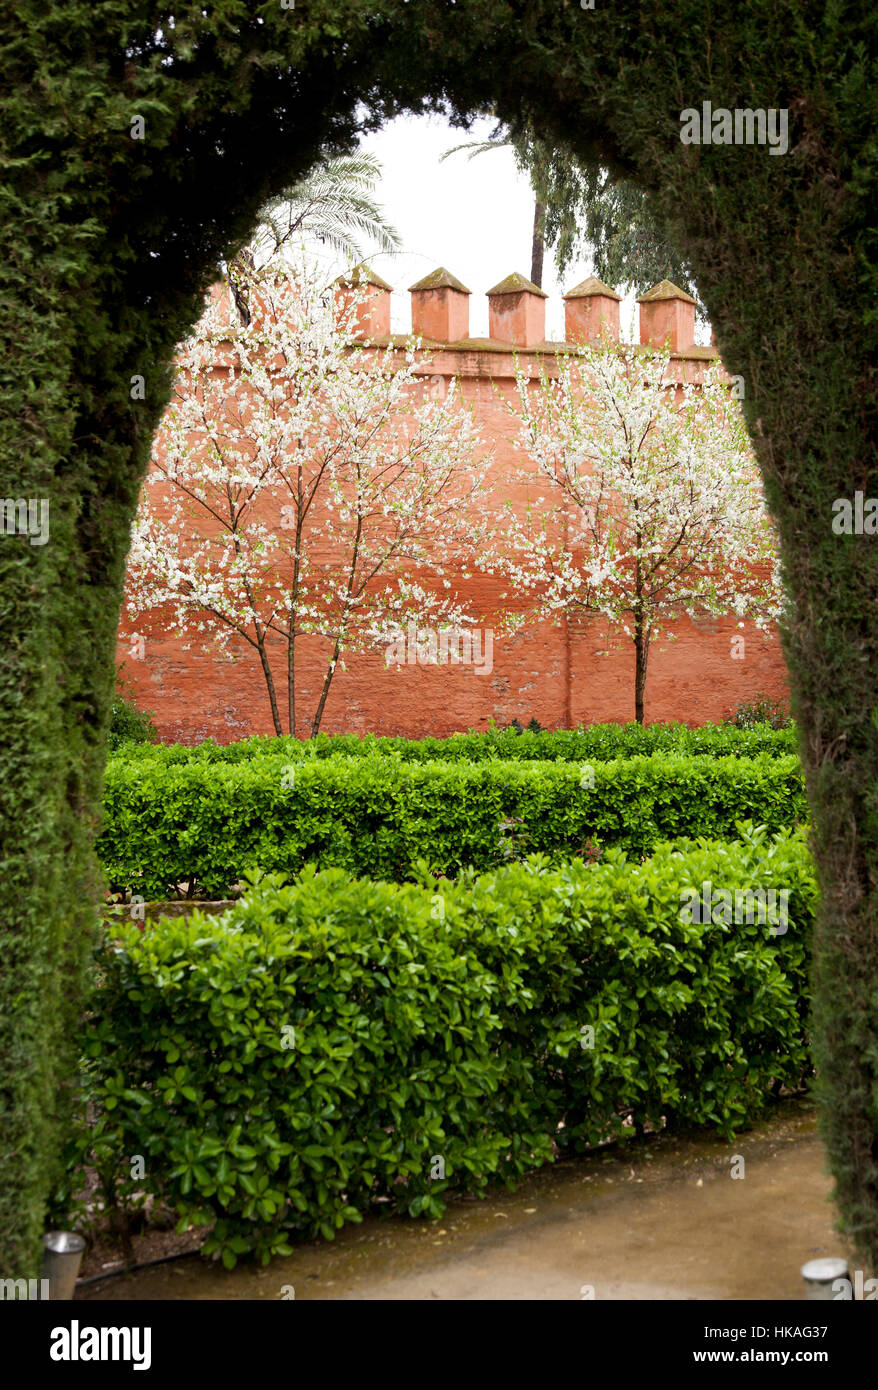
(473, 216)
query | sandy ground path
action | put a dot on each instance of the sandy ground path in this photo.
(661, 1219)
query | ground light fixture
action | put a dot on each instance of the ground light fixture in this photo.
(62, 1256)
(820, 1277)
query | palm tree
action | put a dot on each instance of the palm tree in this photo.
(334, 203)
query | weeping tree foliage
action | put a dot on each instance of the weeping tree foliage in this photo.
(582, 209)
(138, 143)
(587, 208)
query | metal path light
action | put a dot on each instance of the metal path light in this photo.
(62, 1255)
(820, 1277)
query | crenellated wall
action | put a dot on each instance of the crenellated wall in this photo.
(565, 674)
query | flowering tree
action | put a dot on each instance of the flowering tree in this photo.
(654, 505)
(304, 484)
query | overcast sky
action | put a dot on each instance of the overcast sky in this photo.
(473, 216)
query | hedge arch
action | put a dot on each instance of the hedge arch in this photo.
(109, 240)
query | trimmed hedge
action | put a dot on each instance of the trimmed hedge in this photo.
(598, 742)
(206, 824)
(323, 1045)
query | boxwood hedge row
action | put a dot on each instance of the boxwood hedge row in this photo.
(334, 1042)
(598, 742)
(206, 824)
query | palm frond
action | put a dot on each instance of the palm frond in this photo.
(334, 202)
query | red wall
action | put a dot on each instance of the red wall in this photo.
(562, 675)
(561, 680)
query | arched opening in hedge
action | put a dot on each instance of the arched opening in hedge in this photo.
(137, 146)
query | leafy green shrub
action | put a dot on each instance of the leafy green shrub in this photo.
(207, 824)
(597, 743)
(128, 723)
(322, 1045)
(763, 711)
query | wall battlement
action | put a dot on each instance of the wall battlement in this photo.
(517, 314)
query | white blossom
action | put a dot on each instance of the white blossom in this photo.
(283, 498)
(654, 507)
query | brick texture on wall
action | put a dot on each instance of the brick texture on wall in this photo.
(575, 671)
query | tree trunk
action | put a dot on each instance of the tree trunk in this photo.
(269, 682)
(291, 677)
(538, 245)
(324, 694)
(641, 657)
(239, 283)
(342, 629)
(294, 603)
(639, 679)
(291, 639)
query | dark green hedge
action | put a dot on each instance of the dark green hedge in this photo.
(208, 823)
(129, 724)
(322, 1045)
(597, 742)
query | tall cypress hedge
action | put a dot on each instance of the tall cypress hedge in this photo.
(109, 241)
